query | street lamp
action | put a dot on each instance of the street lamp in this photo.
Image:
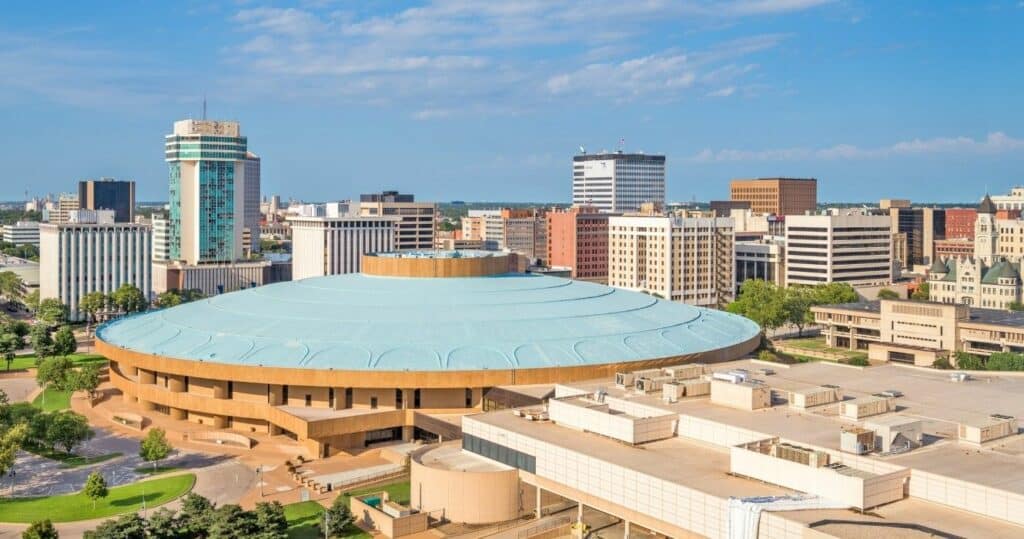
(259, 477)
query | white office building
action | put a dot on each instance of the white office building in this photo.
(334, 245)
(80, 258)
(854, 249)
(22, 233)
(618, 182)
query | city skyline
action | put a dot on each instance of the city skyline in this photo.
(874, 100)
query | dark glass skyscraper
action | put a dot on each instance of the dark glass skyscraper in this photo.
(108, 194)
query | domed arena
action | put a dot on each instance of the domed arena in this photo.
(344, 360)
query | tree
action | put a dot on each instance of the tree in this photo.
(232, 522)
(129, 299)
(1015, 306)
(64, 342)
(67, 429)
(796, 307)
(968, 362)
(270, 520)
(887, 293)
(32, 300)
(1005, 361)
(164, 524)
(338, 516)
(42, 342)
(86, 378)
(52, 311)
(154, 446)
(166, 299)
(90, 304)
(196, 515)
(55, 372)
(40, 529)
(834, 293)
(923, 292)
(10, 442)
(130, 526)
(9, 345)
(11, 287)
(761, 302)
(95, 488)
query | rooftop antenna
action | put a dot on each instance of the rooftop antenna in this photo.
(622, 144)
(583, 150)
(204, 106)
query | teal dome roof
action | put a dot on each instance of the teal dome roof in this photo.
(361, 322)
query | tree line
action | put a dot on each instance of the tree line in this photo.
(773, 306)
(199, 518)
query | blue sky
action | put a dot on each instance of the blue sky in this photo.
(489, 100)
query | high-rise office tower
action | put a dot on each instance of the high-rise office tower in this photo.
(252, 201)
(207, 162)
(618, 182)
(108, 194)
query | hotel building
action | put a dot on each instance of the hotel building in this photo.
(677, 257)
(854, 249)
(618, 182)
(777, 196)
(84, 256)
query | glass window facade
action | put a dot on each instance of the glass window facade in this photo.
(500, 453)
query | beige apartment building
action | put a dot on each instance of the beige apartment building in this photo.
(335, 245)
(415, 228)
(777, 196)
(919, 332)
(677, 257)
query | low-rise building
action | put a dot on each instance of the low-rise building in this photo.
(22, 233)
(763, 259)
(919, 332)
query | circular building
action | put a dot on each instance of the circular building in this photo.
(347, 360)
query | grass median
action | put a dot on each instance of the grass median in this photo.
(77, 506)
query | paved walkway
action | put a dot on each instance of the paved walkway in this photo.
(18, 385)
(225, 482)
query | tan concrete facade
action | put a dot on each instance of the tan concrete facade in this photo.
(329, 410)
(395, 266)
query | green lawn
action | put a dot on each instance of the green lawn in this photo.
(52, 400)
(149, 470)
(28, 361)
(72, 507)
(303, 517)
(70, 460)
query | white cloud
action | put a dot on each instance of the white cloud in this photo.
(722, 92)
(995, 143)
(460, 54)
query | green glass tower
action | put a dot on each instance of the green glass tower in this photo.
(206, 177)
